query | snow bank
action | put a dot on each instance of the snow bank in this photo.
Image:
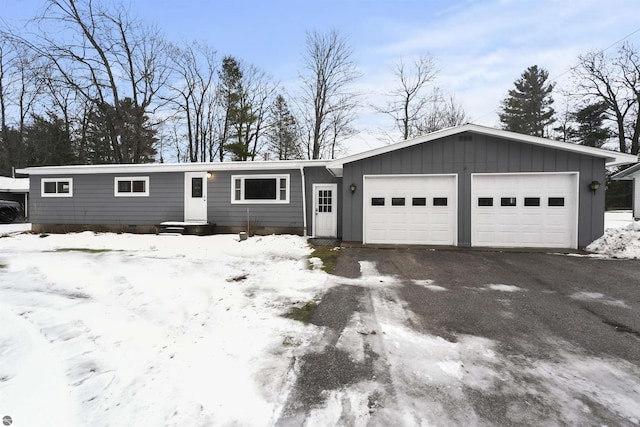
(619, 242)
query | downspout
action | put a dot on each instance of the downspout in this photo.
(304, 203)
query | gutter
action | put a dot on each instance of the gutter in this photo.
(304, 202)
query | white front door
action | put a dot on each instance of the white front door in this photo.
(195, 197)
(325, 217)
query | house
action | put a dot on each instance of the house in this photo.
(16, 190)
(467, 186)
(632, 174)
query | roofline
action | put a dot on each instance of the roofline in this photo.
(170, 167)
(625, 175)
(612, 158)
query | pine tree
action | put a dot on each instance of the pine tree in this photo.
(527, 108)
(283, 132)
(590, 129)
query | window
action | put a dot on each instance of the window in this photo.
(377, 201)
(325, 198)
(485, 201)
(419, 201)
(532, 201)
(439, 201)
(196, 187)
(508, 201)
(56, 187)
(397, 201)
(131, 186)
(556, 201)
(260, 189)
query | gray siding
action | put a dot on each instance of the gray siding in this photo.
(226, 214)
(93, 201)
(483, 154)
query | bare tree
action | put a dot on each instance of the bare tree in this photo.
(409, 101)
(328, 74)
(439, 113)
(21, 85)
(106, 57)
(195, 66)
(616, 82)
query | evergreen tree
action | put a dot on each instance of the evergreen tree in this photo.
(590, 130)
(283, 132)
(48, 143)
(527, 108)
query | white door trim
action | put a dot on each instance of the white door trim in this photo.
(334, 207)
(195, 210)
(455, 198)
(576, 188)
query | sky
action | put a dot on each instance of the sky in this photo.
(480, 46)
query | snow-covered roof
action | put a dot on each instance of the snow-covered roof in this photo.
(628, 174)
(612, 158)
(14, 185)
(171, 167)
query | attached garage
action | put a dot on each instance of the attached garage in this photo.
(502, 189)
(524, 210)
(410, 209)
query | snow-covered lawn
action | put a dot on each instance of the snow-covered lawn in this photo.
(150, 330)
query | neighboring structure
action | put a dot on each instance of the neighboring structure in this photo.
(632, 174)
(15, 189)
(467, 186)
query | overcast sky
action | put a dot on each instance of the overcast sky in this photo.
(481, 46)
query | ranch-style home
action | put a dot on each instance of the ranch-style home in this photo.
(465, 186)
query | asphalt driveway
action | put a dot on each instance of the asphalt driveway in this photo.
(533, 339)
(591, 303)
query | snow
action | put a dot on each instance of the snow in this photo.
(621, 242)
(16, 228)
(100, 328)
(113, 329)
(504, 288)
(598, 297)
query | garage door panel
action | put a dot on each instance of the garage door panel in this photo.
(417, 221)
(532, 220)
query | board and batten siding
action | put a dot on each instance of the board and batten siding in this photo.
(93, 201)
(223, 213)
(474, 153)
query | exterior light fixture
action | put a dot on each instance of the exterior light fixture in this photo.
(209, 175)
(352, 187)
(594, 186)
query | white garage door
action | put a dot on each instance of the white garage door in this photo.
(524, 210)
(410, 209)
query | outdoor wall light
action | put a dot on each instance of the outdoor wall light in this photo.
(352, 187)
(209, 176)
(594, 186)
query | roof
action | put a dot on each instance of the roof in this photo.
(612, 158)
(171, 167)
(14, 185)
(628, 174)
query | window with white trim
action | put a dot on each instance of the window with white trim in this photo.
(56, 187)
(131, 186)
(260, 189)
